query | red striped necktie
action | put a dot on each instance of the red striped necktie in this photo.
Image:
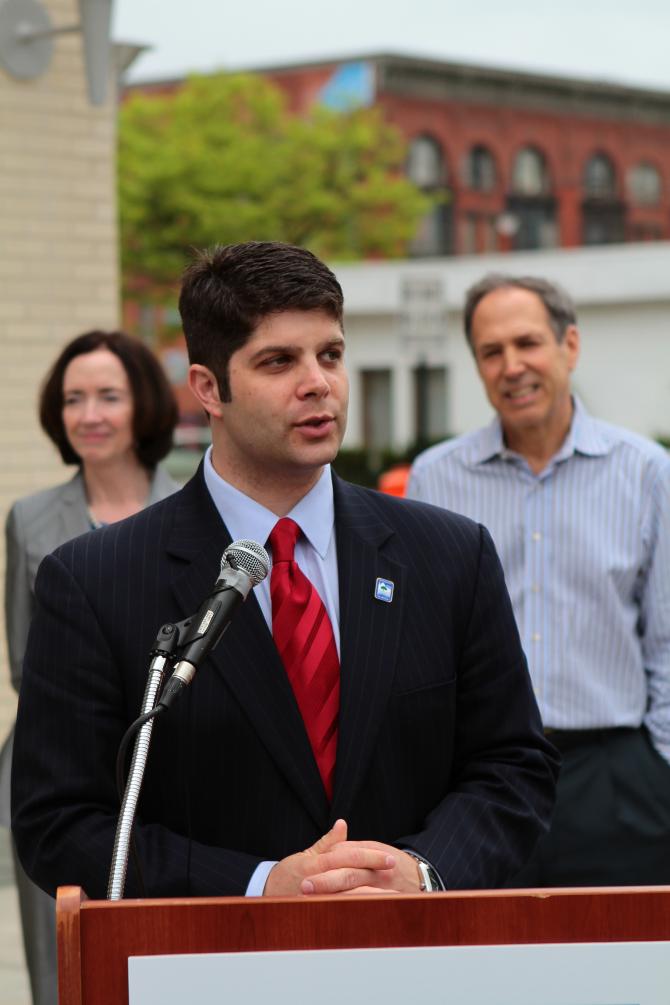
(303, 635)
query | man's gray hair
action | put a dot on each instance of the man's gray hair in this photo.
(558, 305)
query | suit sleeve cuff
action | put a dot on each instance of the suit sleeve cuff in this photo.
(258, 879)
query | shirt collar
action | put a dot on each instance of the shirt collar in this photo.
(487, 444)
(584, 437)
(586, 433)
(246, 518)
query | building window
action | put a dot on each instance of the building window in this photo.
(434, 234)
(603, 226)
(600, 178)
(530, 211)
(479, 170)
(430, 396)
(530, 175)
(377, 412)
(603, 213)
(534, 223)
(427, 168)
(425, 163)
(644, 185)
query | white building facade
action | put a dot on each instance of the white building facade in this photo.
(411, 370)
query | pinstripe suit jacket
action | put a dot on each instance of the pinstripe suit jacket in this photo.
(440, 742)
(36, 525)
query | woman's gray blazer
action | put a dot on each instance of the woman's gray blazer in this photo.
(36, 525)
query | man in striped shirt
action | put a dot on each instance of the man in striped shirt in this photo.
(580, 513)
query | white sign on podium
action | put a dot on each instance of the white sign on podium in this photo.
(613, 973)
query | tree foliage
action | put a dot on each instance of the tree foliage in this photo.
(221, 160)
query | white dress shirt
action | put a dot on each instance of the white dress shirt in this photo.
(585, 545)
(315, 550)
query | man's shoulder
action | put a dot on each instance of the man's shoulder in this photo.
(624, 441)
(463, 450)
(162, 484)
(40, 505)
(403, 512)
(149, 527)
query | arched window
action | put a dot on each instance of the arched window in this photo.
(600, 178)
(425, 163)
(426, 167)
(603, 212)
(479, 169)
(644, 185)
(530, 208)
(530, 175)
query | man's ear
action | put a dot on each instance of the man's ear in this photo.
(571, 341)
(205, 387)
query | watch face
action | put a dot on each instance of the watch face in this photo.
(435, 883)
(429, 881)
(426, 879)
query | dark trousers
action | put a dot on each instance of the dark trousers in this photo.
(38, 920)
(611, 824)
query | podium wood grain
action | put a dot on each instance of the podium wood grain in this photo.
(95, 938)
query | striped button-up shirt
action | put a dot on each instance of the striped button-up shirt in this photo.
(585, 545)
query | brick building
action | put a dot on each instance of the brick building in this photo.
(524, 161)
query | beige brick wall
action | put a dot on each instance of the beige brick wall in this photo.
(58, 252)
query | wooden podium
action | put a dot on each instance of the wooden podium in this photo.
(96, 938)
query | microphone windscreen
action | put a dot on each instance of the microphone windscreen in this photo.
(248, 556)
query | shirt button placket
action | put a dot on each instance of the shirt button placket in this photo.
(534, 579)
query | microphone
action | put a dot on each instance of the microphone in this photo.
(244, 564)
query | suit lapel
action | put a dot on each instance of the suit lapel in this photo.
(369, 632)
(162, 485)
(246, 658)
(73, 510)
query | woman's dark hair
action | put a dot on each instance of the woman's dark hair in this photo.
(154, 406)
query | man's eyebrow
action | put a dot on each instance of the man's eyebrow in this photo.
(493, 341)
(270, 350)
(290, 347)
(336, 342)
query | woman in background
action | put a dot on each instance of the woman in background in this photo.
(108, 407)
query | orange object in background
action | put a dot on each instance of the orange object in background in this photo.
(394, 481)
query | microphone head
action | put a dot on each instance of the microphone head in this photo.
(249, 556)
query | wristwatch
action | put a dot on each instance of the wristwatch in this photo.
(429, 878)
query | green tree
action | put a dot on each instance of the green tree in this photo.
(221, 160)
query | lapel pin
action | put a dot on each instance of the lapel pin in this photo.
(384, 590)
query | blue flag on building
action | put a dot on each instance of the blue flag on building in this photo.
(352, 85)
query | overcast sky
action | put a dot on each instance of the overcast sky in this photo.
(618, 40)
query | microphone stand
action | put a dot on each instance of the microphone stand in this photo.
(164, 647)
(243, 565)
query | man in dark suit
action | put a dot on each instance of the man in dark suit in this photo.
(442, 775)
